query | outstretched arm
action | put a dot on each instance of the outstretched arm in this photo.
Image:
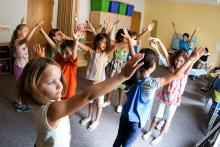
(196, 29)
(77, 35)
(130, 42)
(91, 27)
(155, 43)
(174, 27)
(49, 40)
(30, 34)
(107, 25)
(66, 107)
(193, 58)
(115, 47)
(145, 31)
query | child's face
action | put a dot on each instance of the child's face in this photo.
(102, 44)
(66, 53)
(185, 38)
(23, 32)
(179, 62)
(58, 37)
(50, 84)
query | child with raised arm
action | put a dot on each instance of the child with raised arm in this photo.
(170, 94)
(54, 39)
(19, 40)
(184, 41)
(136, 110)
(67, 59)
(96, 72)
(119, 59)
(42, 85)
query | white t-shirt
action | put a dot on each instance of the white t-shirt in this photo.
(96, 66)
(21, 54)
(48, 136)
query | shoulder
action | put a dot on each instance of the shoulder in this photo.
(152, 82)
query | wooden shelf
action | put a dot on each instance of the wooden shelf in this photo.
(5, 58)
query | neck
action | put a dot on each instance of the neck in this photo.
(145, 73)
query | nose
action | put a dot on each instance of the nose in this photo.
(64, 55)
(59, 85)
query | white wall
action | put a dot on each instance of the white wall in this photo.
(11, 13)
(85, 8)
(55, 14)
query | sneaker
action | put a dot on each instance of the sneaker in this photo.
(159, 125)
(22, 108)
(106, 104)
(146, 135)
(85, 121)
(156, 140)
(119, 109)
(93, 126)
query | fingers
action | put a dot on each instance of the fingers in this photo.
(135, 59)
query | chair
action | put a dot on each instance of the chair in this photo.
(216, 106)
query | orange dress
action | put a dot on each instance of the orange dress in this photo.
(69, 71)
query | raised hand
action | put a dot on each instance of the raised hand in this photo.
(132, 65)
(196, 54)
(154, 42)
(150, 27)
(126, 35)
(78, 34)
(38, 50)
(39, 24)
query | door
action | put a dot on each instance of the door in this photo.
(136, 21)
(38, 10)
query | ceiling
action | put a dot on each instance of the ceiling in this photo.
(213, 2)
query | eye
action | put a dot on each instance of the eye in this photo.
(52, 82)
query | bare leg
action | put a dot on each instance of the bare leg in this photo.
(99, 113)
(164, 129)
(91, 108)
(121, 97)
(152, 126)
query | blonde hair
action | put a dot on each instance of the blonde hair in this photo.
(15, 34)
(27, 84)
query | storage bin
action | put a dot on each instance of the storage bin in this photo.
(130, 10)
(113, 6)
(122, 8)
(99, 5)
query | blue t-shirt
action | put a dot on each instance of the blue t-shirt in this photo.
(184, 45)
(139, 102)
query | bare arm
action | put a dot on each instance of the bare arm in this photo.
(108, 25)
(171, 76)
(112, 32)
(196, 29)
(91, 27)
(130, 42)
(146, 30)
(30, 34)
(154, 43)
(77, 35)
(174, 27)
(116, 46)
(49, 40)
(164, 49)
(66, 107)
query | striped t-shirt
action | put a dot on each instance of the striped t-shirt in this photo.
(96, 67)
